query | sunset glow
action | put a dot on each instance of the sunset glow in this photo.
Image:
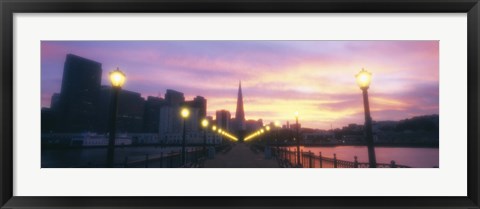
(279, 78)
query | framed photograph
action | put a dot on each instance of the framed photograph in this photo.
(239, 104)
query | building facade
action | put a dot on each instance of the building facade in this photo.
(151, 117)
(79, 95)
(223, 118)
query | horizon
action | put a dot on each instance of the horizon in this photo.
(320, 86)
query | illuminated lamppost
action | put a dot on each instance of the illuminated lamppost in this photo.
(262, 139)
(184, 113)
(268, 135)
(220, 131)
(205, 128)
(363, 80)
(298, 138)
(214, 129)
(117, 79)
(277, 127)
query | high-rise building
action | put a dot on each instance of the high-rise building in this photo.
(200, 103)
(151, 117)
(47, 120)
(174, 98)
(223, 119)
(170, 122)
(79, 94)
(55, 101)
(50, 116)
(130, 112)
(131, 108)
(253, 125)
(170, 127)
(239, 113)
(239, 125)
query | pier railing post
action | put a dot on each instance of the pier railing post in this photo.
(178, 160)
(302, 158)
(125, 163)
(393, 164)
(355, 162)
(335, 160)
(196, 156)
(288, 154)
(188, 157)
(320, 158)
(146, 161)
(170, 159)
(280, 153)
(310, 165)
(161, 159)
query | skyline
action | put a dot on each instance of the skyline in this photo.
(315, 78)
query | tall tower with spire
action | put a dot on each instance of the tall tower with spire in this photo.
(240, 113)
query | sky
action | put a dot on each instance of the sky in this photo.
(315, 78)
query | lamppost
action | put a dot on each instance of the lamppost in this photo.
(262, 138)
(205, 127)
(214, 129)
(363, 80)
(184, 113)
(298, 138)
(268, 135)
(277, 127)
(117, 79)
(220, 133)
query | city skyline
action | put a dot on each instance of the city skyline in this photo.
(278, 78)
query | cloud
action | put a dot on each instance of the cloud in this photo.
(278, 77)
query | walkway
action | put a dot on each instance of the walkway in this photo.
(241, 156)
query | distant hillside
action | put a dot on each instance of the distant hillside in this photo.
(419, 123)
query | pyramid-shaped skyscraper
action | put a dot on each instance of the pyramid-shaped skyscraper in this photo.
(240, 113)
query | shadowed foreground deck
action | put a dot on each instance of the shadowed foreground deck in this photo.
(241, 156)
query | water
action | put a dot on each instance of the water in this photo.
(96, 157)
(409, 156)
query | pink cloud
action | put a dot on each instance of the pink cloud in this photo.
(278, 77)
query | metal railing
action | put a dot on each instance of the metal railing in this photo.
(288, 158)
(195, 158)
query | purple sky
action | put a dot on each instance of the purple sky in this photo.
(315, 78)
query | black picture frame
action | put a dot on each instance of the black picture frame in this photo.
(10, 7)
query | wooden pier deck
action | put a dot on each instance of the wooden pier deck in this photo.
(241, 156)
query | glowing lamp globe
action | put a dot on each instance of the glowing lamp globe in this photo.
(204, 123)
(214, 128)
(185, 113)
(363, 79)
(268, 128)
(117, 78)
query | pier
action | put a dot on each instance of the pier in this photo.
(241, 156)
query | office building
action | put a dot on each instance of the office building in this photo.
(151, 117)
(130, 111)
(222, 118)
(79, 94)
